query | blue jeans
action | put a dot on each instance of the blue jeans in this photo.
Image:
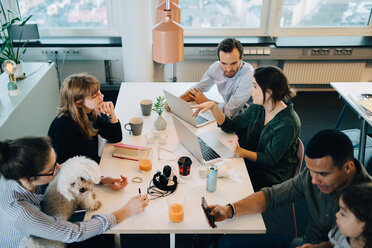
(254, 241)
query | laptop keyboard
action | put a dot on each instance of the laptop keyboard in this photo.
(200, 120)
(207, 152)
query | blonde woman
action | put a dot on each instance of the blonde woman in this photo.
(82, 115)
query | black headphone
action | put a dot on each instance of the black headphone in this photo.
(161, 181)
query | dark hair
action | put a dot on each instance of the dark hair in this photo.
(228, 44)
(358, 199)
(273, 78)
(24, 157)
(332, 143)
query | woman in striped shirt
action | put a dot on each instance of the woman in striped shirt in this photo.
(26, 164)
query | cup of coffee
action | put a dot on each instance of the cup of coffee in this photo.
(184, 165)
(134, 126)
(146, 106)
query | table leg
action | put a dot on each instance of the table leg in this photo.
(341, 117)
(117, 240)
(172, 239)
(362, 141)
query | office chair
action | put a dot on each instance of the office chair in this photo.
(300, 155)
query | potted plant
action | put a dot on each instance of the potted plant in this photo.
(8, 50)
(159, 107)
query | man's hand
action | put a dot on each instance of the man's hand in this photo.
(115, 183)
(197, 95)
(219, 212)
(324, 244)
(166, 106)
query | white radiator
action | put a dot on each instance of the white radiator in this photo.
(91, 67)
(300, 72)
(192, 70)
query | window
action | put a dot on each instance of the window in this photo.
(59, 15)
(227, 16)
(221, 14)
(323, 17)
(325, 13)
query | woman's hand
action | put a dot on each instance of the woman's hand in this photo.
(235, 146)
(203, 107)
(234, 143)
(136, 205)
(107, 108)
(115, 183)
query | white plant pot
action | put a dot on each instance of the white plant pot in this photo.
(160, 123)
(19, 71)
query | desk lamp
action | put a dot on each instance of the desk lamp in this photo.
(9, 67)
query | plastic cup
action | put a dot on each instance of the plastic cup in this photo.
(145, 159)
(176, 208)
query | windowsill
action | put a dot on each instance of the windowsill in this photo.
(324, 41)
(196, 41)
(77, 42)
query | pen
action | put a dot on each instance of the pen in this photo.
(139, 191)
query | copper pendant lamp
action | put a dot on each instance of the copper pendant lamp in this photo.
(175, 8)
(167, 37)
(173, 1)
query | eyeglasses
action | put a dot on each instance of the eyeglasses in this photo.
(48, 174)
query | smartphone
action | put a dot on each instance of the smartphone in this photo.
(207, 212)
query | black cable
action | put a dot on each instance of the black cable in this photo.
(156, 193)
(38, 69)
(58, 75)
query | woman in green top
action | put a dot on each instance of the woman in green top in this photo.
(267, 130)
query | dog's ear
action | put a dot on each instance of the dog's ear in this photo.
(64, 189)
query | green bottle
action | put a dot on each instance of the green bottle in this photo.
(12, 86)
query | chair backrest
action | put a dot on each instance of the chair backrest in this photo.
(300, 156)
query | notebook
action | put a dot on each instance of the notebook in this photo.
(125, 151)
(207, 149)
(182, 109)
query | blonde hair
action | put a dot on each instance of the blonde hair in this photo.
(73, 92)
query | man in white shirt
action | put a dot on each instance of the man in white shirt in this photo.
(232, 76)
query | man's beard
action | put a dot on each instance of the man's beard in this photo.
(232, 74)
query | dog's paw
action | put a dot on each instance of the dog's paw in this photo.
(94, 195)
(96, 205)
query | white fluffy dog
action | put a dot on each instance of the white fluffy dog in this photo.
(71, 188)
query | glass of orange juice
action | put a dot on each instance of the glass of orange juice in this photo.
(176, 208)
(145, 159)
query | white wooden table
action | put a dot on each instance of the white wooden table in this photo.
(155, 217)
(351, 94)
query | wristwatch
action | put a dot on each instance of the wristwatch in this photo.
(232, 210)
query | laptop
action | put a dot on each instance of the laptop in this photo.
(182, 109)
(207, 149)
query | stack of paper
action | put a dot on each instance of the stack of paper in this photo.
(367, 104)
